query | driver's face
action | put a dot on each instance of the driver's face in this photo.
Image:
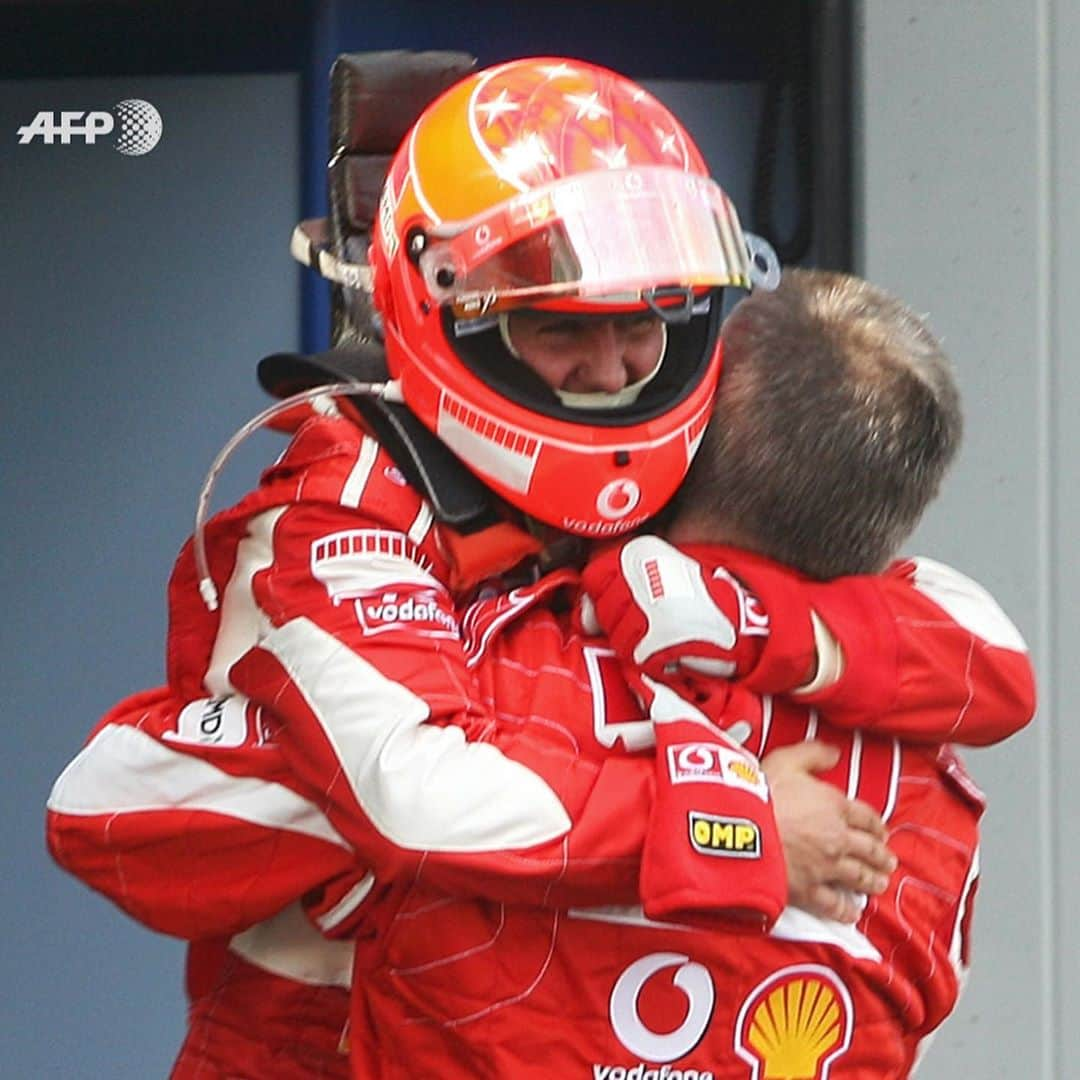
(587, 353)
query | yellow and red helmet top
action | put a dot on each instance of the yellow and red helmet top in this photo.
(543, 183)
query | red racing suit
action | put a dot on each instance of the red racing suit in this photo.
(194, 810)
(456, 987)
(206, 815)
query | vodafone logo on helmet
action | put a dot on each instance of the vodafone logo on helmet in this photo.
(696, 985)
(618, 499)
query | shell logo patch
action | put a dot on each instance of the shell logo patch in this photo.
(795, 1024)
(746, 772)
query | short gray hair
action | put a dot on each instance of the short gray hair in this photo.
(836, 418)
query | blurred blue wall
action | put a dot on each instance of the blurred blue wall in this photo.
(138, 292)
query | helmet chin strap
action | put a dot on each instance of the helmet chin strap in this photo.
(592, 399)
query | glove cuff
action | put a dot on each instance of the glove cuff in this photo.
(712, 853)
(789, 657)
(857, 616)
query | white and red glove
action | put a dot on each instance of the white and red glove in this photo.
(665, 609)
(662, 609)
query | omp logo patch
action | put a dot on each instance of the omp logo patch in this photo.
(715, 763)
(795, 1024)
(212, 722)
(418, 610)
(737, 838)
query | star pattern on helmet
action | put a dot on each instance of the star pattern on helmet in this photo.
(526, 154)
(667, 140)
(615, 158)
(588, 105)
(557, 71)
(492, 110)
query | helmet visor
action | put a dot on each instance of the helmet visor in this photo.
(614, 235)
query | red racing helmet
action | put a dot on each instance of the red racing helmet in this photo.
(554, 184)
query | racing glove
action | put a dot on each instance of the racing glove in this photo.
(663, 609)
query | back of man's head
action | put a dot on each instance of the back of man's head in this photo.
(836, 418)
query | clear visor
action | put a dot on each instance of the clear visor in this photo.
(623, 234)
